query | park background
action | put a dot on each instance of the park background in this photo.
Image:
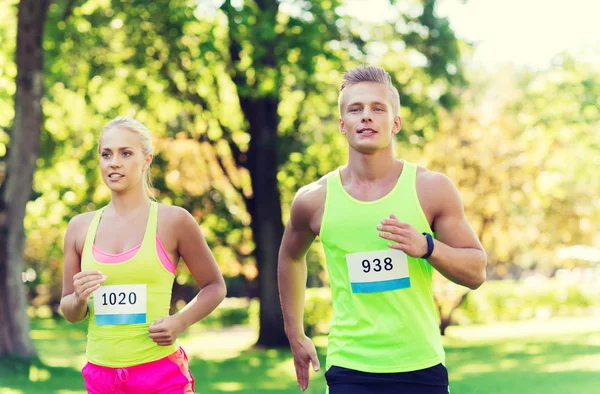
(502, 96)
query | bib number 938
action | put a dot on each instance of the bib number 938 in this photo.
(378, 271)
(377, 265)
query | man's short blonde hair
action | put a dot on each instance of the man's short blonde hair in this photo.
(367, 73)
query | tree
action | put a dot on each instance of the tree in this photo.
(522, 150)
(274, 47)
(243, 99)
(16, 189)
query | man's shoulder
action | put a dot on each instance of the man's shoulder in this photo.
(436, 191)
(313, 191)
(429, 178)
(311, 198)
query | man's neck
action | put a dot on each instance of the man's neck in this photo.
(367, 168)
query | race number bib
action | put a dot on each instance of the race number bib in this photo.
(120, 304)
(382, 270)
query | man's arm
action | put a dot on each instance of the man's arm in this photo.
(457, 252)
(297, 238)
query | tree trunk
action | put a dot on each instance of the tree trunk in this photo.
(265, 210)
(446, 320)
(16, 189)
(262, 162)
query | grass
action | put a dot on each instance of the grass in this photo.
(554, 357)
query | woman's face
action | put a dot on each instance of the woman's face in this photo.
(122, 160)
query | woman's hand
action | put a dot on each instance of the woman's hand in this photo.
(164, 331)
(85, 283)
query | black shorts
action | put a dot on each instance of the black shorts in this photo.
(433, 380)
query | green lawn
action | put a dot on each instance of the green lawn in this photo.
(559, 356)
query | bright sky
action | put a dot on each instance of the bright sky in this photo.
(524, 32)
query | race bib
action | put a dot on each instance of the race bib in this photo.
(120, 304)
(382, 270)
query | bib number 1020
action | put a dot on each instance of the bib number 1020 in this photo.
(376, 265)
(120, 298)
(120, 304)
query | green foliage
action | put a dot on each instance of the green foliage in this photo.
(536, 298)
(533, 298)
(227, 317)
(8, 73)
(233, 311)
(184, 69)
(522, 151)
(241, 311)
(317, 311)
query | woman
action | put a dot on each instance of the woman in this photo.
(119, 267)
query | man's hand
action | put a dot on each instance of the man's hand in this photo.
(164, 331)
(304, 353)
(404, 236)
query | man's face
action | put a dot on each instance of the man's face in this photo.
(368, 118)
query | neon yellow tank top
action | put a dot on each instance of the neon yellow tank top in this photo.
(135, 294)
(384, 318)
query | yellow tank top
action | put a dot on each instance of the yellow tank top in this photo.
(384, 318)
(136, 293)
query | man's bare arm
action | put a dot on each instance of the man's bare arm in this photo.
(296, 241)
(457, 253)
(299, 234)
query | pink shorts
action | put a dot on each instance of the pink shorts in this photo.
(169, 375)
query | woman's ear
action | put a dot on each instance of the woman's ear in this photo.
(149, 158)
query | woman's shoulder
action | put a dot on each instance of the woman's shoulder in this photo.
(173, 216)
(81, 221)
(77, 229)
(172, 211)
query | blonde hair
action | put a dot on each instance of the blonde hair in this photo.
(367, 73)
(145, 140)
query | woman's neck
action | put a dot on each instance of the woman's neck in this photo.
(128, 202)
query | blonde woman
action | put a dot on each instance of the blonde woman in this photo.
(119, 269)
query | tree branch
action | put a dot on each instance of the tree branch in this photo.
(195, 98)
(204, 138)
(68, 10)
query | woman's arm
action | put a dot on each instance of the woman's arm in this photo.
(192, 247)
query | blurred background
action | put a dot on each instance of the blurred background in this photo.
(503, 96)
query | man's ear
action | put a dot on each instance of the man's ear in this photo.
(342, 126)
(397, 125)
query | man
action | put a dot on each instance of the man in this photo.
(385, 225)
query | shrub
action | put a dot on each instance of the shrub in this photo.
(317, 311)
(541, 298)
(232, 311)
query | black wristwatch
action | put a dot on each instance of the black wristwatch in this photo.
(429, 246)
